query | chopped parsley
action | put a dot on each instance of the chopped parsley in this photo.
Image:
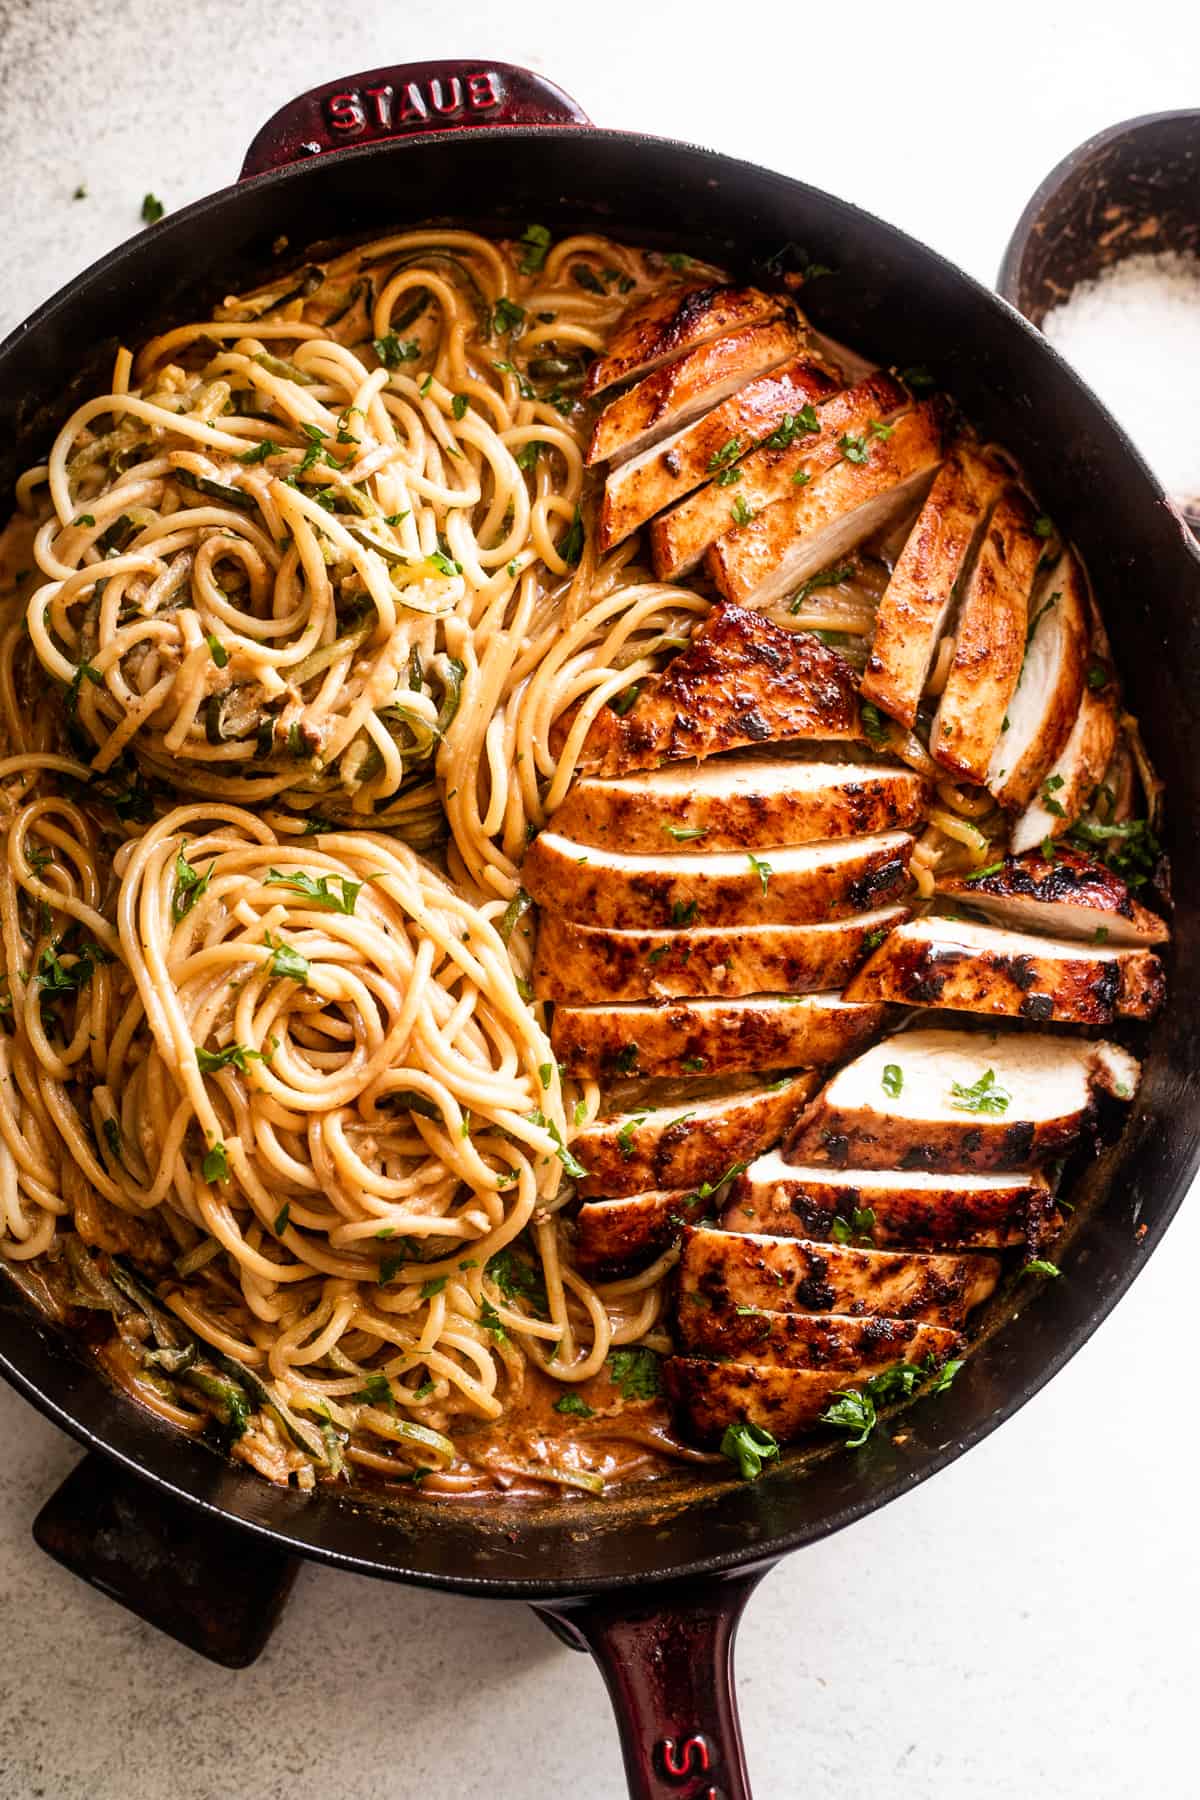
(286, 962)
(873, 724)
(983, 1096)
(189, 885)
(856, 1412)
(623, 702)
(152, 209)
(1038, 616)
(634, 1373)
(854, 449)
(824, 578)
(685, 834)
(217, 651)
(281, 1219)
(459, 405)
(982, 874)
(740, 513)
(507, 316)
(258, 453)
(1050, 787)
(571, 1164)
(586, 278)
(573, 1406)
(728, 453)
(215, 1166)
(392, 350)
(572, 545)
(762, 869)
(1130, 849)
(1037, 1265)
(682, 915)
(236, 1055)
(792, 426)
(432, 1288)
(859, 1225)
(892, 1080)
(536, 240)
(318, 892)
(750, 1447)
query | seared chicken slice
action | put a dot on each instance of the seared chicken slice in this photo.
(727, 1269)
(582, 963)
(1068, 895)
(1046, 699)
(916, 604)
(796, 884)
(711, 1037)
(613, 1237)
(682, 1144)
(989, 646)
(743, 803)
(966, 967)
(706, 1397)
(656, 478)
(642, 415)
(875, 482)
(742, 680)
(892, 1209)
(790, 1340)
(654, 330)
(1067, 788)
(680, 538)
(959, 1100)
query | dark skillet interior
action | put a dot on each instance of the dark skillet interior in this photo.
(890, 297)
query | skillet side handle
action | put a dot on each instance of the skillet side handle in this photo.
(405, 101)
(668, 1664)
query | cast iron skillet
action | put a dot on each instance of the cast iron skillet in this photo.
(654, 1582)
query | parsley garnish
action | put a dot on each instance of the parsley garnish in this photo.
(285, 961)
(571, 548)
(235, 1054)
(189, 885)
(259, 453)
(740, 513)
(281, 1219)
(762, 869)
(750, 1447)
(536, 240)
(792, 426)
(392, 350)
(892, 1079)
(318, 893)
(571, 1164)
(152, 209)
(983, 1096)
(634, 1373)
(217, 651)
(215, 1166)
(459, 405)
(682, 914)
(873, 723)
(1037, 1265)
(728, 453)
(507, 315)
(824, 578)
(574, 1406)
(854, 449)
(685, 834)
(622, 702)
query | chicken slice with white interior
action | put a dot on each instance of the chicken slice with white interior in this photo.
(1067, 895)
(653, 331)
(916, 605)
(875, 481)
(813, 443)
(967, 967)
(658, 477)
(989, 641)
(1046, 699)
(582, 963)
(962, 1100)
(711, 1037)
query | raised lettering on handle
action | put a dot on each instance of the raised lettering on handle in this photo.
(412, 98)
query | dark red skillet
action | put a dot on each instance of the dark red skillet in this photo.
(652, 1584)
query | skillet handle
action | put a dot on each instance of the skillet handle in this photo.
(404, 101)
(668, 1664)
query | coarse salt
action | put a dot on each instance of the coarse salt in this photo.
(1134, 335)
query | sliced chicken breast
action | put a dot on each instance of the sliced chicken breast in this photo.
(875, 482)
(966, 967)
(891, 1208)
(681, 1144)
(961, 1101)
(652, 331)
(711, 1037)
(1046, 698)
(1066, 790)
(655, 478)
(742, 680)
(723, 1270)
(797, 884)
(915, 609)
(1067, 895)
(707, 1397)
(743, 803)
(680, 538)
(789, 1340)
(614, 1237)
(993, 621)
(582, 963)
(642, 415)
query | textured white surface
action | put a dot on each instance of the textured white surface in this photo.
(1024, 1624)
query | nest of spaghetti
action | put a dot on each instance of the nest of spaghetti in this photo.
(296, 1088)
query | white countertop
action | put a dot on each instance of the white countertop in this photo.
(1025, 1623)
